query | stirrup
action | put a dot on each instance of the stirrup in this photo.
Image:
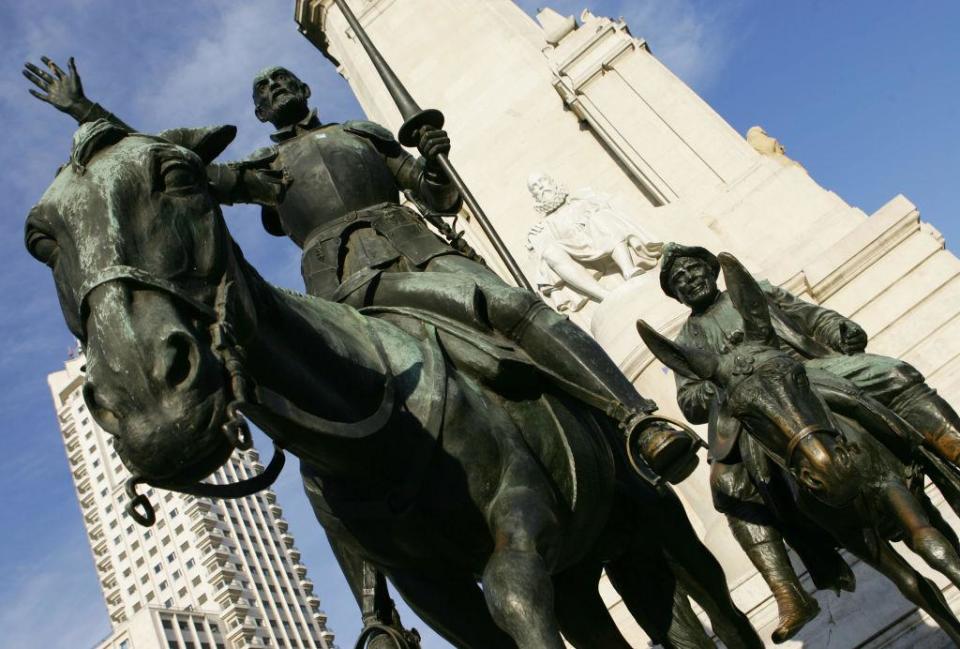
(669, 453)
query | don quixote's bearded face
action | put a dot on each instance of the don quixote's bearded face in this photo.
(137, 247)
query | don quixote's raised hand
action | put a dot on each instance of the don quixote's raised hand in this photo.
(62, 90)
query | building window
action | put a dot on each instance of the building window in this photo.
(191, 563)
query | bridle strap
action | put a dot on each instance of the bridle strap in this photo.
(130, 273)
(804, 433)
(238, 489)
(139, 506)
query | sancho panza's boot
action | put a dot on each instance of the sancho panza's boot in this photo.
(934, 418)
(562, 347)
(766, 550)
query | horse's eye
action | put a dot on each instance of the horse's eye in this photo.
(43, 247)
(802, 380)
(178, 176)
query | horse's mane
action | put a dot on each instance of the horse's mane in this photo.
(90, 138)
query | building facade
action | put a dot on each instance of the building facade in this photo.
(208, 574)
(587, 102)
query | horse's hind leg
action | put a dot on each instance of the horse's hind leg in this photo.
(914, 586)
(701, 575)
(516, 579)
(581, 612)
(455, 608)
(921, 535)
(650, 592)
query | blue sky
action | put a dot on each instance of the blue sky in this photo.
(863, 93)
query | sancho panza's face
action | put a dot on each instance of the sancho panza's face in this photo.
(693, 282)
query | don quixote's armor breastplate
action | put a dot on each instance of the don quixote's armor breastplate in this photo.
(331, 172)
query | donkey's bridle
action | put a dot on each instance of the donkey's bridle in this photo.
(228, 353)
(804, 433)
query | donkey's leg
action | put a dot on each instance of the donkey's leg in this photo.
(455, 608)
(516, 579)
(702, 577)
(914, 586)
(920, 535)
(939, 522)
(583, 616)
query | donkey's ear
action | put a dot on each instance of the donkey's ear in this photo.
(691, 363)
(748, 299)
(207, 142)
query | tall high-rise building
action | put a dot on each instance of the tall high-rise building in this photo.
(208, 574)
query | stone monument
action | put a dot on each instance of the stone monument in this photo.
(587, 99)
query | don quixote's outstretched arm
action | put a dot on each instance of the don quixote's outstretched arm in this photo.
(64, 91)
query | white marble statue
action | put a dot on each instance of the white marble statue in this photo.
(579, 232)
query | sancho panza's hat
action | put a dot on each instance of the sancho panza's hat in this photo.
(674, 251)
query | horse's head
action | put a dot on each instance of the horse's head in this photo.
(768, 390)
(139, 251)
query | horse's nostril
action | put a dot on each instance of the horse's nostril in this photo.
(104, 416)
(179, 356)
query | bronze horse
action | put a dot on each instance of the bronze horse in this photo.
(851, 465)
(432, 449)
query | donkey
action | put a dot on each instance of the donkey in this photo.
(865, 492)
(429, 446)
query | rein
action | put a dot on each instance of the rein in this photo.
(228, 352)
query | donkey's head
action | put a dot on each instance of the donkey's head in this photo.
(767, 390)
(139, 251)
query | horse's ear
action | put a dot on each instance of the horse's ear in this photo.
(207, 142)
(691, 363)
(748, 299)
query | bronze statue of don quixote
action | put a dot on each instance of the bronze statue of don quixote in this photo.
(457, 437)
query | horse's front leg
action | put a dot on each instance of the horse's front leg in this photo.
(920, 534)
(517, 578)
